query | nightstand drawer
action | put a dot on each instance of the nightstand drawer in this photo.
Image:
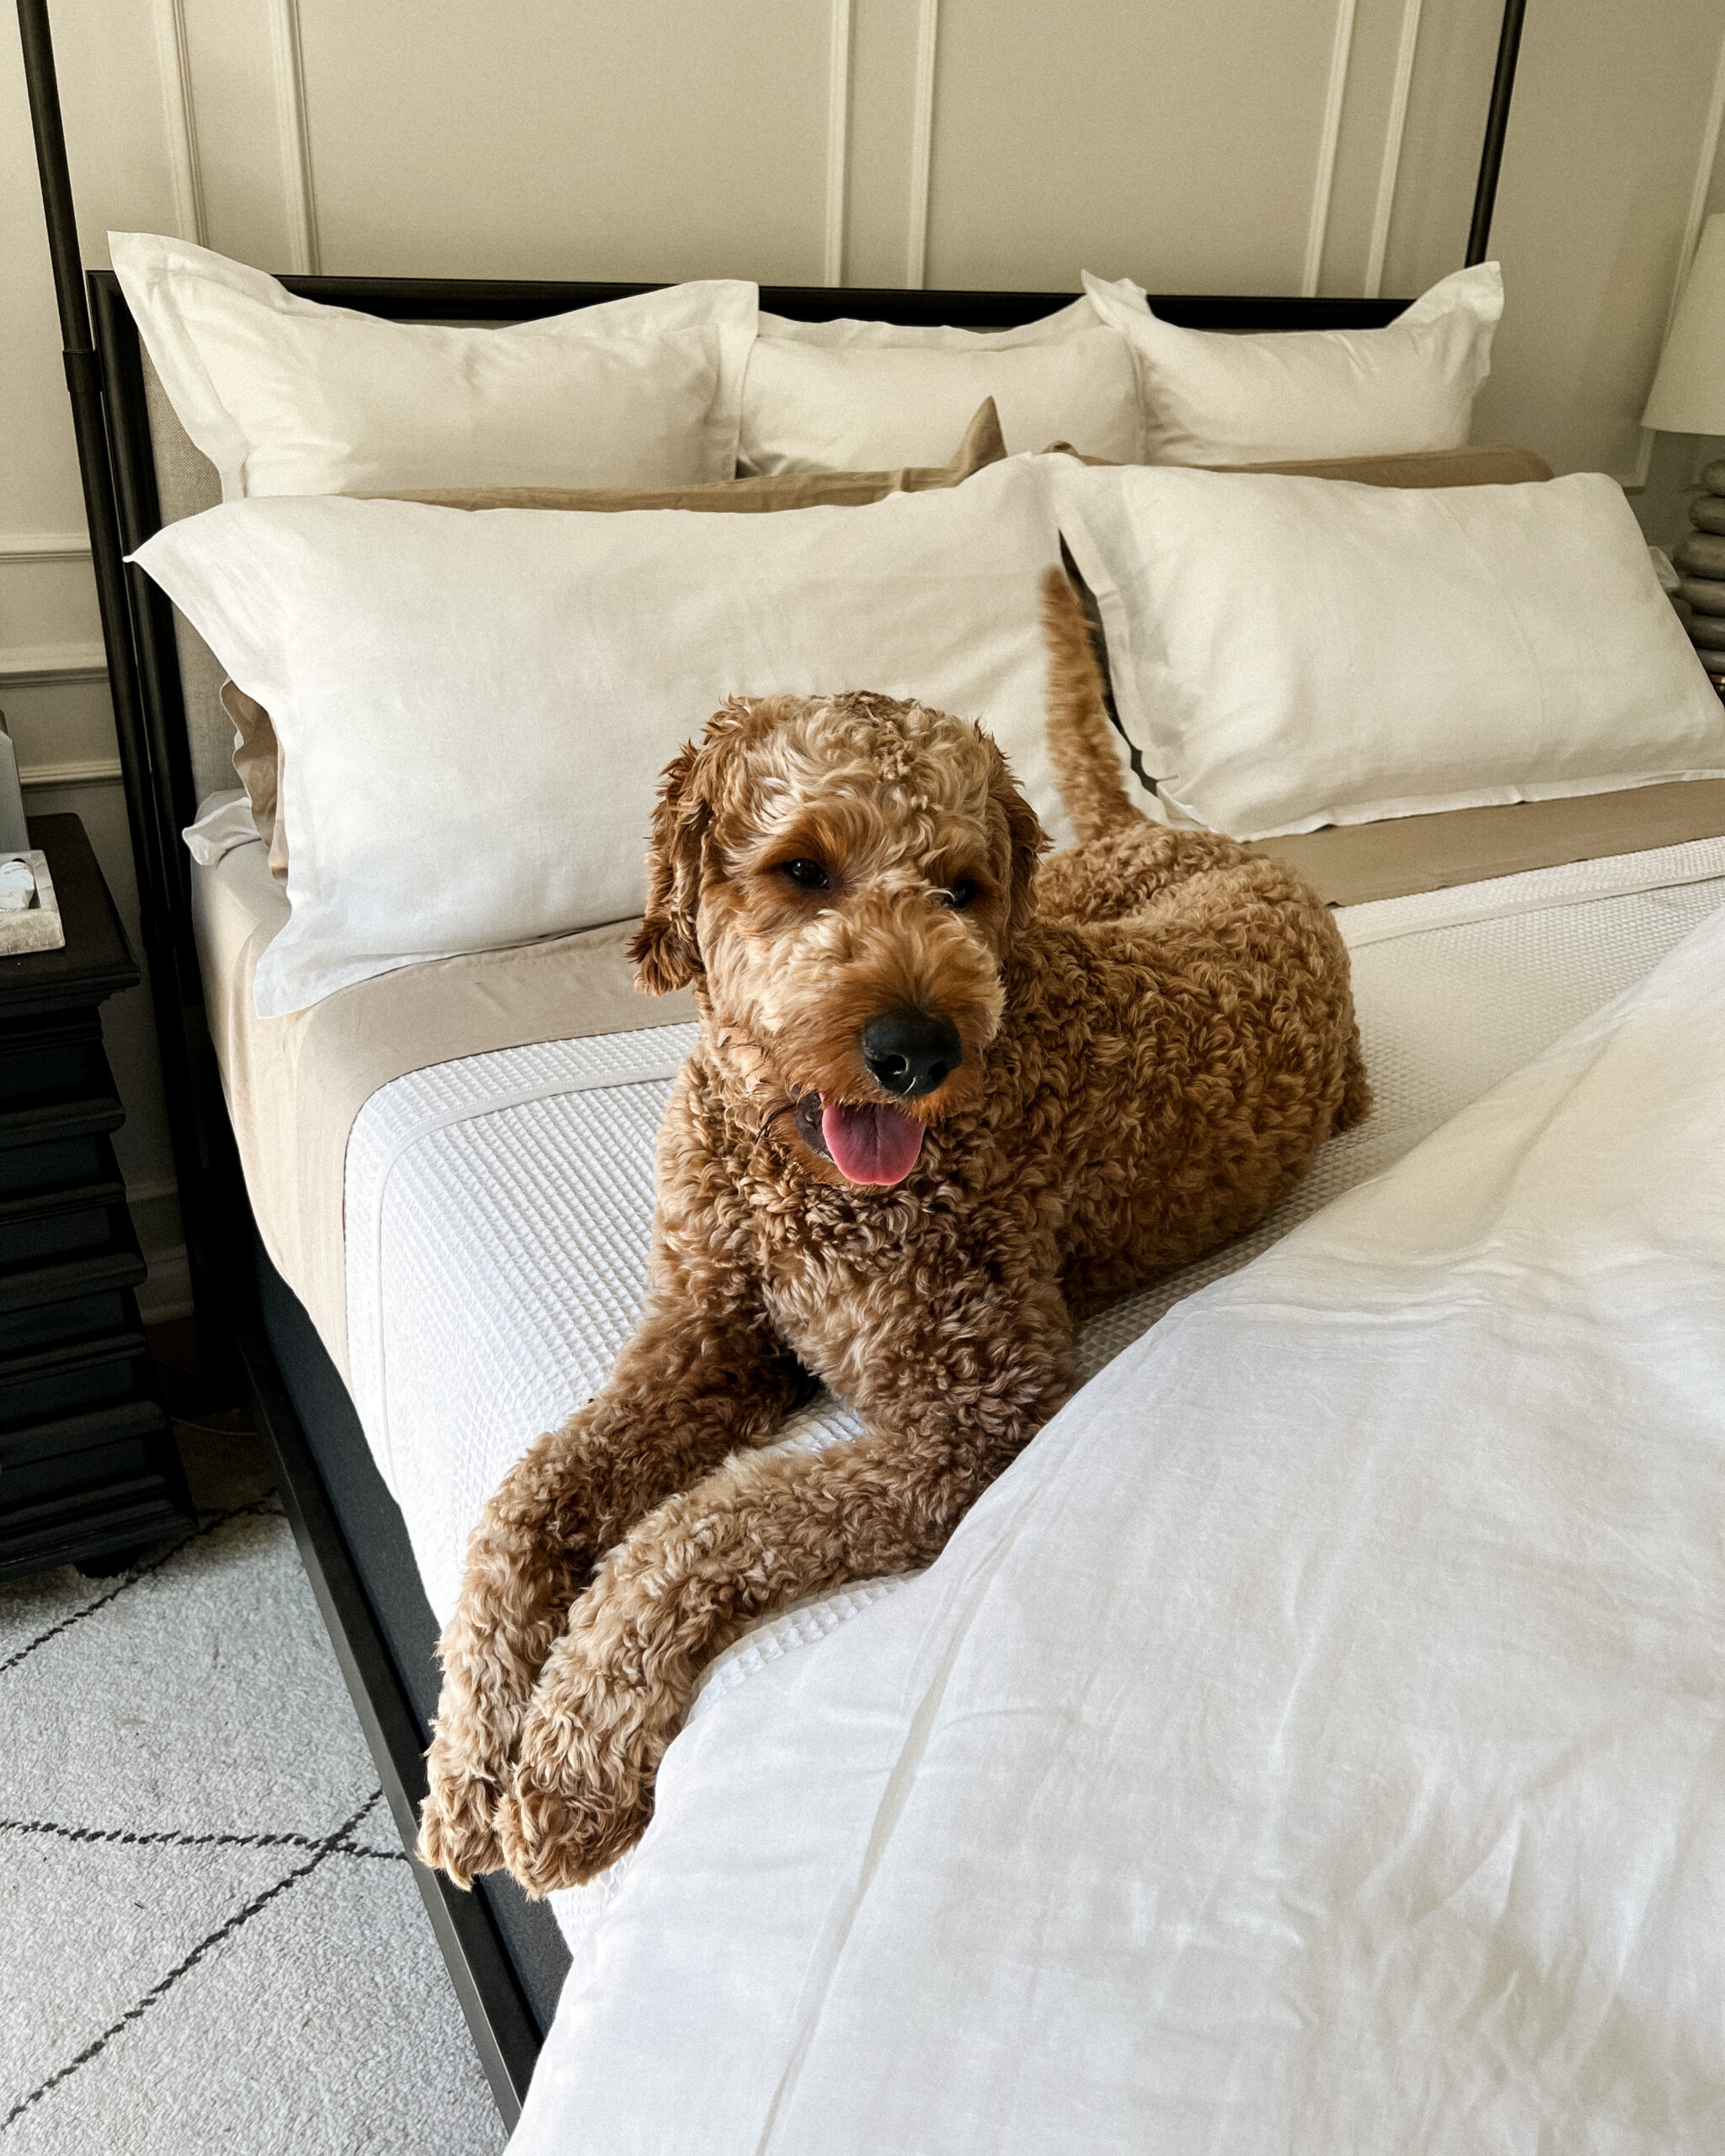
(54, 1164)
(69, 1529)
(30, 1286)
(44, 1385)
(78, 1452)
(61, 1224)
(78, 1319)
(46, 1059)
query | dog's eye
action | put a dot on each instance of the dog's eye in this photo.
(958, 894)
(806, 875)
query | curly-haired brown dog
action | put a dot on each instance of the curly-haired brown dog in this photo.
(940, 1107)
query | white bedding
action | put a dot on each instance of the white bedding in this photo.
(1313, 1743)
(498, 1208)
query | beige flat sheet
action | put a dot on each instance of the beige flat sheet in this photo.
(295, 1085)
(1352, 865)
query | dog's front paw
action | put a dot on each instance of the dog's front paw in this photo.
(458, 1819)
(583, 1789)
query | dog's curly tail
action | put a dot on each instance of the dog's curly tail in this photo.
(1080, 741)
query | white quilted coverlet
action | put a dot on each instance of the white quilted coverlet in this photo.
(498, 1208)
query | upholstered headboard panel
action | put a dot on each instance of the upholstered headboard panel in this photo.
(186, 482)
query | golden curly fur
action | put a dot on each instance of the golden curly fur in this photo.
(1155, 1034)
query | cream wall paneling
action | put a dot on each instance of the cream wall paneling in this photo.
(44, 547)
(1610, 147)
(1329, 139)
(922, 141)
(29, 666)
(573, 138)
(294, 121)
(93, 771)
(179, 112)
(1706, 157)
(1395, 133)
(838, 142)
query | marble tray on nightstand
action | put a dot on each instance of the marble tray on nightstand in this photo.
(36, 927)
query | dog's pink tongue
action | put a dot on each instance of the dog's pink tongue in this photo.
(871, 1144)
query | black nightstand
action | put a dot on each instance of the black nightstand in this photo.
(88, 1470)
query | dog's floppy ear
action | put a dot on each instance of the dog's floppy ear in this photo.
(1026, 838)
(666, 952)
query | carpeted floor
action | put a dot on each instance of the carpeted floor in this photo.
(209, 1939)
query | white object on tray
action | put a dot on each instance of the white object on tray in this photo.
(35, 924)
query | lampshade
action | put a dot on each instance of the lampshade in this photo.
(1689, 391)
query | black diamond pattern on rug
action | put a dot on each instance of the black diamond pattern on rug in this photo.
(213, 1937)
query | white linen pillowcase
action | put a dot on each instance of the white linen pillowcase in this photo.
(871, 396)
(1285, 397)
(1291, 653)
(287, 396)
(474, 708)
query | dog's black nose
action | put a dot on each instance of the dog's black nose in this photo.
(911, 1051)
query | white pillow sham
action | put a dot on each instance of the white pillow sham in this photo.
(1290, 653)
(1212, 398)
(286, 396)
(871, 396)
(474, 709)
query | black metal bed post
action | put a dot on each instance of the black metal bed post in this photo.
(1491, 157)
(159, 890)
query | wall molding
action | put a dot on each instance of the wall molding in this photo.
(1705, 159)
(174, 48)
(923, 141)
(298, 190)
(29, 666)
(44, 547)
(1395, 133)
(838, 142)
(1317, 226)
(93, 770)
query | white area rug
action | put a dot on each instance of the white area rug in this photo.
(209, 1939)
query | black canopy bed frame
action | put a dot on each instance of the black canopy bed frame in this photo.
(506, 1956)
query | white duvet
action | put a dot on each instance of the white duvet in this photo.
(1315, 1742)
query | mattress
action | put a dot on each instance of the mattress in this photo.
(498, 1208)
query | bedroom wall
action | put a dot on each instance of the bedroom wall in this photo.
(1267, 145)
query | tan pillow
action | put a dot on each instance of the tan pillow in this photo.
(1417, 467)
(984, 444)
(257, 757)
